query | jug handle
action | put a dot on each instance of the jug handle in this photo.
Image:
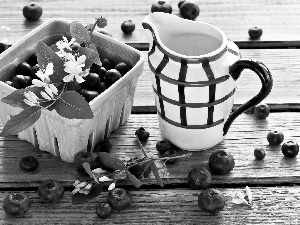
(266, 80)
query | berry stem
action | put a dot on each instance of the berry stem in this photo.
(93, 28)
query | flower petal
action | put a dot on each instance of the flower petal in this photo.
(29, 102)
(79, 79)
(45, 96)
(53, 89)
(104, 178)
(38, 83)
(49, 91)
(68, 78)
(112, 186)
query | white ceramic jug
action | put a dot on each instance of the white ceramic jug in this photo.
(194, 72)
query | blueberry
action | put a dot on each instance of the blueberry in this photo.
(103, 210)
(50, 191)
(112, 76)
(32, 11)
(123, 68)
(142, 134)
(199, 178)
(128, 27)
(211, 201)
(290, 149)
(119, 199)
(259, 153)
(24, 68)
(28, 163)
(88, 95)
(19, 82)
(221, 162)
(107, 64)
(275, 137)
(34, 69)
(102, 87)
(3, 47)
(32, 60)
(163, 146)
(255, 32)
(261, 111)
(100, 70)
(91, 82)
(16, 204)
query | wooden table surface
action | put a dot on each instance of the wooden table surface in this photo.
(274, 181)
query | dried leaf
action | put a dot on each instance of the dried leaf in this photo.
(72, 105)
(79, 32)
(237, 201)
(82, 198)
(136, 182)
(111, 162)
(87, 168)
(249, 194)
(239, 198)
(156, 174)
(23, 120)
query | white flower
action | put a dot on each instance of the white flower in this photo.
(112, 186)
(44, 75)
(31, 98)
(50, 89)
(64, 45)
(74, 68)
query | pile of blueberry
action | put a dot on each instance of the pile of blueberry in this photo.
(98, 80)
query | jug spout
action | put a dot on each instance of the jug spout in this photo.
(155, 25)
(183, 38)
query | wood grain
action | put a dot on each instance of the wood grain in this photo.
(279, 19)
(271, 205)
(246, 134)
(282, 64)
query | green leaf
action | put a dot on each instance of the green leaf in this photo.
(46, 55)
(97, 59)
(82, 198)
(109, 162)
(91, 56)
(136, 182)
(101, 22)
(156, 174)
(79, 32)
(72, 105)
(21, 121)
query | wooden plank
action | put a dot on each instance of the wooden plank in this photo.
(281, 63)
(279, 19)
(271, 205)
(246, 134)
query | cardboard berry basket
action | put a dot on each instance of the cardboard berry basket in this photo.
(53, 133)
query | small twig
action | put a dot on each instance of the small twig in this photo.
(142, 147)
